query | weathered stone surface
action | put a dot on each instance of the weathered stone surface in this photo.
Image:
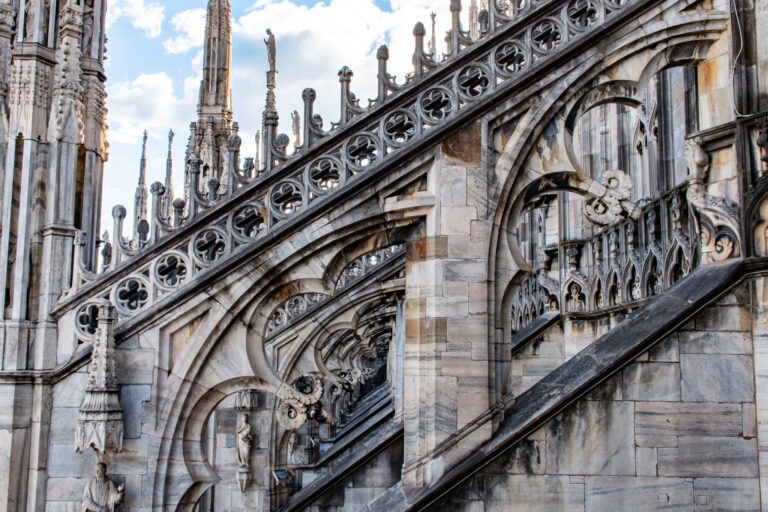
(668, 351)
(533, 493)
(724, 318)
(132, 399)
(645, 459)
(592, 438)
(611, 494)
(715, 342)
(652, 381)
(682, 419)
(717, 378)
(727, 494)
(701, 456)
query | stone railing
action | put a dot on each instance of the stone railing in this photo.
(211, 228)
(625, 263)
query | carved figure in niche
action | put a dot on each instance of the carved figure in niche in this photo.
(244, 441)
(101, 494)
(87, 27)
(762, 142)
(293, 452)
(46, 20)
(575, 301)
(271, 51)
(29, 21)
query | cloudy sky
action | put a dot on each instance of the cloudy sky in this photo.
(154, 63)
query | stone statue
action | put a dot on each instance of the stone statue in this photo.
(294, 457)
(87, 31)
(101, 494)
(271, 51)
(29, 21)
(46, 20)
(244, 442)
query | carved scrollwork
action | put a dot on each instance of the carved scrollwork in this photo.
(436, 104)
(305, 391)
(609, 199)
(380, 132)
(510, 58)
(248, 222)
(171, 269)
(209, 246)
(399, 127)
(473, 81)
(325, 174)
(131, 295)
(87, 321)
(547, 35)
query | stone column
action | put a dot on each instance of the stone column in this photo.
(447, 360)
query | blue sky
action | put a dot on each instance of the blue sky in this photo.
(154, 59)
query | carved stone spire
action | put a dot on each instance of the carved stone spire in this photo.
(140, 204)
(215, 87)
(101, 419)
(214, 109)
(474, 25)
(168, 196)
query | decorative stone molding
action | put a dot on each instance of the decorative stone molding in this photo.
(68, 110)
(100, 425)
(718, 217)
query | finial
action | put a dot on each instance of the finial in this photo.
(419, 29)
(144, 142)
(383, 52)
(170, 139)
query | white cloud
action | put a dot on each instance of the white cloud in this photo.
(147, 102)
(312, 45)
(190, 26)
(147, 17)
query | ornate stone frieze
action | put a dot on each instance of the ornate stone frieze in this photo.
(100, 425)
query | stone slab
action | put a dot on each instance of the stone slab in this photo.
(727, 494)
(699, 456)
(652, 381)
(592, 438)
(683, 419)
(621, 494)
(717, 378)
(533, 494)
(713, 342)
